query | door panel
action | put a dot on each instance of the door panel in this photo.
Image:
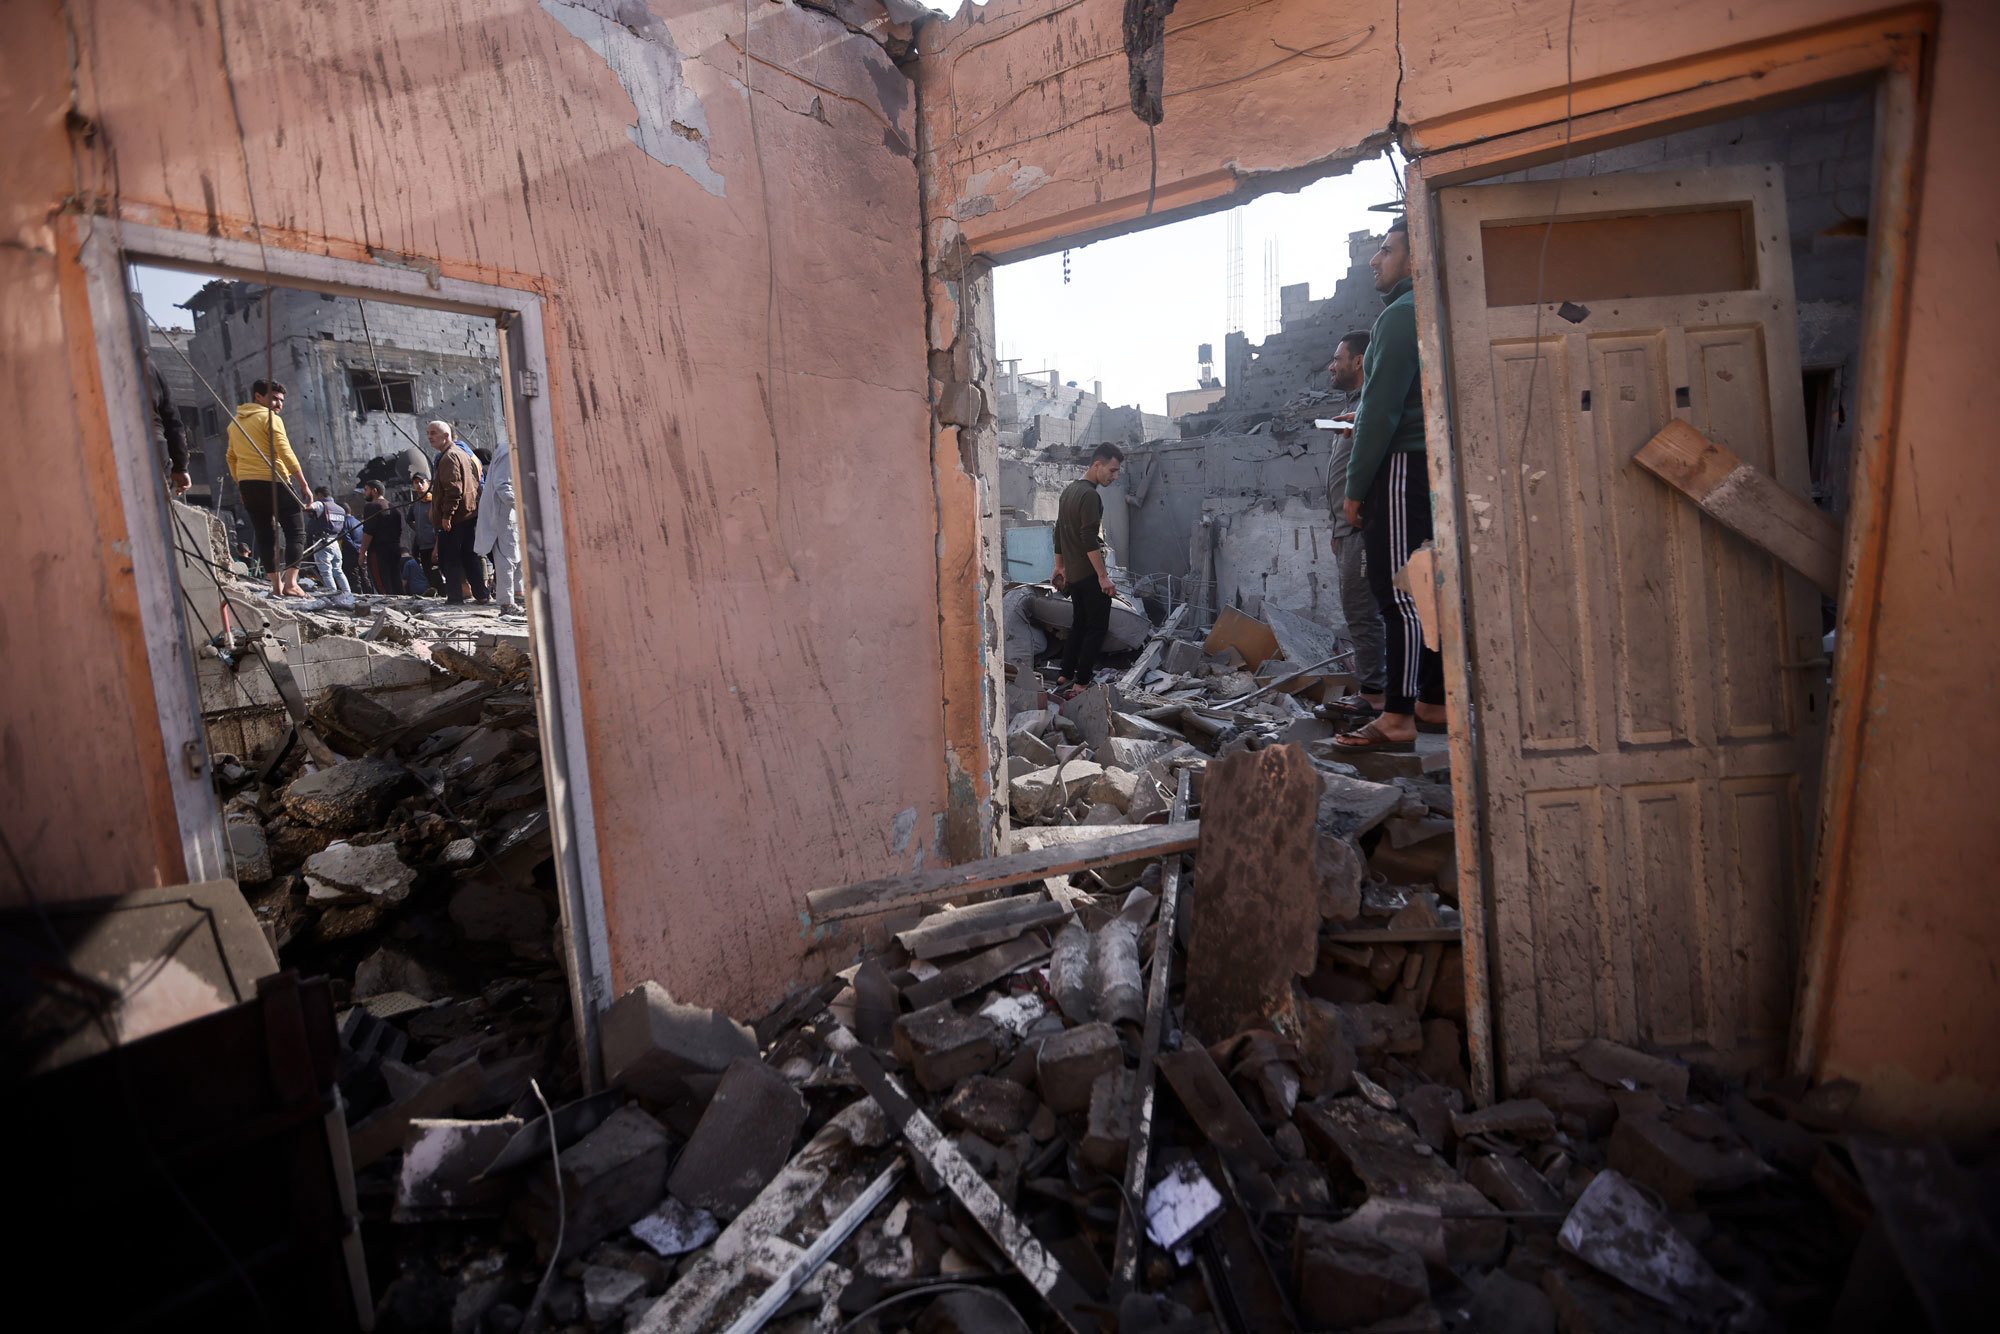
(1643, 740)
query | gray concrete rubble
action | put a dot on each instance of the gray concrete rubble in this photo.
(1228, 1086)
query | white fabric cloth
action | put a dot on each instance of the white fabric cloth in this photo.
(498, 533)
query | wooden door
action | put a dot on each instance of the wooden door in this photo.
(1647, 726)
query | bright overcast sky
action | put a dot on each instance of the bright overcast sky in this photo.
(1136, 307)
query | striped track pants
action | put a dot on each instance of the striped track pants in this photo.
(1396, 520)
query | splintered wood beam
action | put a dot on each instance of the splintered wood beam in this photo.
(1139, 843)
(1747, 502)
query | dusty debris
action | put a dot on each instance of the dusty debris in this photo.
(984, 1110)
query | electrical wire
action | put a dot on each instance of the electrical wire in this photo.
(1555, 208)
(381, 386)
(530, 1320)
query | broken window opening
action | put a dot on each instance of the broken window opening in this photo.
(373, 393)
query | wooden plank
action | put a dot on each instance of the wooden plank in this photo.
(1454, 577)
(1746, 501)
(1139, 1149)
(1138, 843)
(968, 976)
(980, 925)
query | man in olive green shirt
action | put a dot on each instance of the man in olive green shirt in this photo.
(1080, 569)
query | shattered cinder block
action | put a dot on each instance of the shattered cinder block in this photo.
(1070, 1062)
(441, 1158)
(1513, 1184)
(1613, 1063)
(1033, 793)
(1343, 1282)
(995, 1109)
(1678, 1166)
(352, 873)
(651, 1042)
(348, 797)
(943, 1046)
(1578, 1101)
(1025, 745)
(611, 1178)
(743, 1139)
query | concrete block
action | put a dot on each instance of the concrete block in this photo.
(943, 1046)
(441, 1158)
(612, 1177)
(1028, 747)
(993, 1109)
(351, 873)
(1378, 1030)
(651, 1041)
(1513, 1185)
(1070, 1062)
(1580, 1103)
(1676, 1165)
(1108, 1134)
(348, 797)
(1613, 1063)
(1343, 1282)
(743, 1140)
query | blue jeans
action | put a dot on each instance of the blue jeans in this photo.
(332, 575)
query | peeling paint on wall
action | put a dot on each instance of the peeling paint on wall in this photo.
(997, 188)
(672, 128)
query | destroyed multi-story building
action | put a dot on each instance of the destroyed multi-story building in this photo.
(360, 384)
(738, 264)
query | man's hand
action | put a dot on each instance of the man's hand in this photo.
(1345, 417)
(1104, 582)
(1352, 510)
(179, 482)
(444, 525)
(1061, 583)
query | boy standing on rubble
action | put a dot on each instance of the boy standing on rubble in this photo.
(1080, 569)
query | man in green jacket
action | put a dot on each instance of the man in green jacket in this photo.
(1389, 499)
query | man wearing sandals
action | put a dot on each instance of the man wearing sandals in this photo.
(1388, 497)
(1080, 570)
(1357, 599)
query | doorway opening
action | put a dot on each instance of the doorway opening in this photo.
(354, 598)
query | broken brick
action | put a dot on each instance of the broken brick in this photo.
(1070, 1062)
(611, 1178)
(1653, 1153)
(1343, 1282)
(651, 1042)
(1522, 1117)
(996, 1109)
(943, 1046)
(1614, 1063)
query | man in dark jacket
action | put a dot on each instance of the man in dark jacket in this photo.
(455, 514)
(1388, 497)
(1080, 568)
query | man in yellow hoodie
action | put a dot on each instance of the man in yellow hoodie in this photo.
(261, 460)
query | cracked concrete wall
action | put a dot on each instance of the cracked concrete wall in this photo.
(1030, 146)
(735, 332)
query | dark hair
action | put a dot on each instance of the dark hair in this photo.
(1399, 225)
(1358, 340)
(323, 492)
(1107, 450)
(265, 387)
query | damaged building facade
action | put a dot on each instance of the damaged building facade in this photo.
(359, 384)
(742, 264)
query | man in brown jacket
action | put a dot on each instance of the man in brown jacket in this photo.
(455, 479)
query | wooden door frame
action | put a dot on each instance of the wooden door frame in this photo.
(1889, 49)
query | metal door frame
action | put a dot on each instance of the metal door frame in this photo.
(105, 247)
(1890, 52)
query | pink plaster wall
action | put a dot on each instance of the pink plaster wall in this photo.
(1915, 985)
(737, 375)
(1032, 147)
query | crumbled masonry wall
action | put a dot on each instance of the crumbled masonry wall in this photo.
(734, 313)
(1031, 146)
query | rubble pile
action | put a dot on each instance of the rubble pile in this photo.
(1189, 1057)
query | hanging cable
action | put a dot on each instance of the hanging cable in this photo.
(1555, 207)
